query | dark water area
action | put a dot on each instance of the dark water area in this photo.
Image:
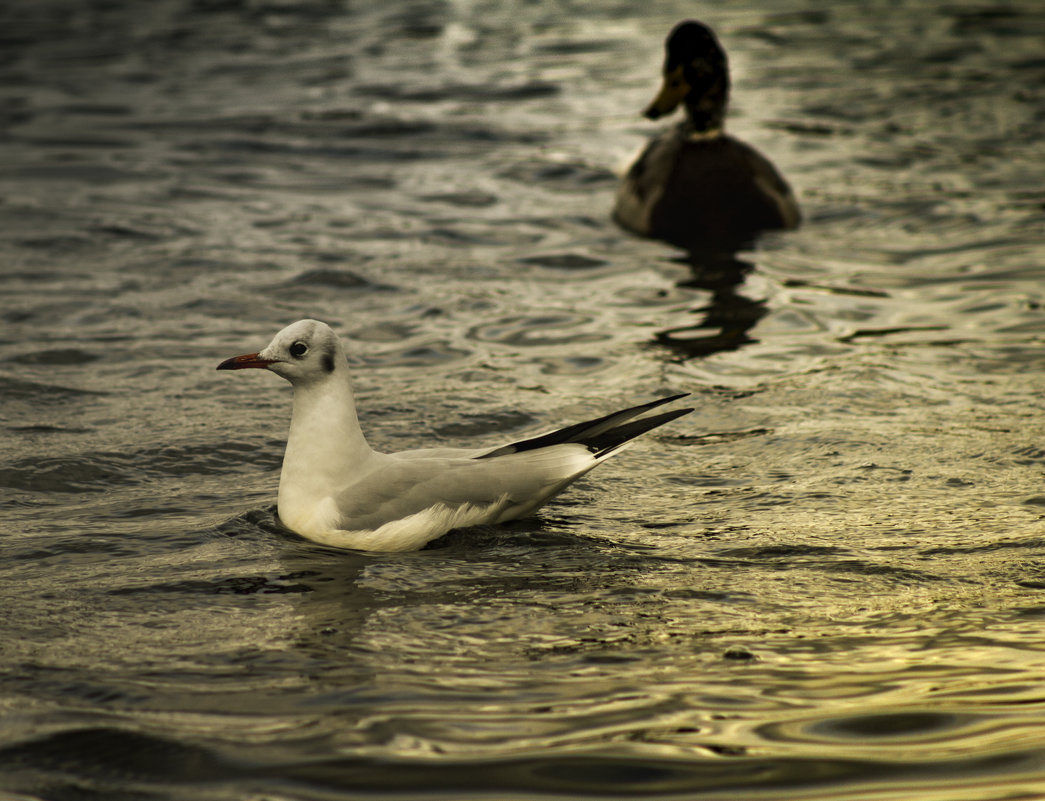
(826, 583)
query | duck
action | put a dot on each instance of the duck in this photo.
(336, 490)
(694, 185)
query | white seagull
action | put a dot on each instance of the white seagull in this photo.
(337, 490)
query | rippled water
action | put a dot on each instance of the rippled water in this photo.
(826, 583)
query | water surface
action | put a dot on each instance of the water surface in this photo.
(825, 583)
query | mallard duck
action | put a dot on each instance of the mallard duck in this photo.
(695, 186)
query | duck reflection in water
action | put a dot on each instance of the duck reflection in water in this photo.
(727, 317)
(698, 188)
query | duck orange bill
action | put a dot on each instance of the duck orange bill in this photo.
(672, 92)
(243, 362)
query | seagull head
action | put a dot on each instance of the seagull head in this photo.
(303, 353)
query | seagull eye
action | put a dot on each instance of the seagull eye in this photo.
(298, 349)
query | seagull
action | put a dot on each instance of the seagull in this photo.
(336, 490)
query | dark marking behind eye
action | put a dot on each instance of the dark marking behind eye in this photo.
(327, 360)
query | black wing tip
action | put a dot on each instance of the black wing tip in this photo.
(666, 399)
(609, 441)
(594, 436)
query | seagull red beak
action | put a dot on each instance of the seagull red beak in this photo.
(243, 362)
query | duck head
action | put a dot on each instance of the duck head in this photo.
(696, 74)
